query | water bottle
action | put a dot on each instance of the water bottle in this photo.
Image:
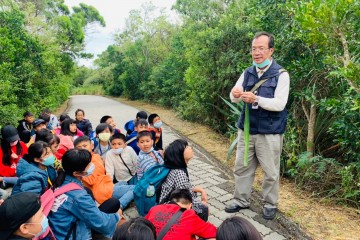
(150, 191)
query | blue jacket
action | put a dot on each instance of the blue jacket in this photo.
(263, 121)
(133, 144)
(85, 126)
(129, 127)
(78, 206)
(32, 178)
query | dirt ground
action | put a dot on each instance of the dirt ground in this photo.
(320, 218)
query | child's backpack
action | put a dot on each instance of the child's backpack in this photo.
(148, 188)
(47, 201)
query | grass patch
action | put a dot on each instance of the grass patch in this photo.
(88, 90)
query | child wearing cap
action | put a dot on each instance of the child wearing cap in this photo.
(12, 149)
(21, 217)
(38, 124)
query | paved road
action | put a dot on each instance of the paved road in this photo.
(203, 170)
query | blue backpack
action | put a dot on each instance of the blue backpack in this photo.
(148, 188)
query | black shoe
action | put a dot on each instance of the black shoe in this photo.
(269, 213)
(234, 208)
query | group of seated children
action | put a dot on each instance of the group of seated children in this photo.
(104, 170)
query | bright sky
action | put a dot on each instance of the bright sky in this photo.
(114, 12)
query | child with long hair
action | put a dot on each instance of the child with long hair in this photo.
(67, 135)
(177, 156)
(12, 149)
(35, 170)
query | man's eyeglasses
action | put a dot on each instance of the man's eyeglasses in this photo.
(260, 50)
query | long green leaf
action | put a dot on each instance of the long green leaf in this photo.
(231, 148)
(246, 135)
(232, 106)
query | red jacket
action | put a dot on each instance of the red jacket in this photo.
(10, 171)
(190, 224)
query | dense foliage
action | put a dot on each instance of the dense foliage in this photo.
(39, 41)
(192, 64)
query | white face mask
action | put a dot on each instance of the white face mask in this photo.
(117, 151)
(104, 137)
(158, 124)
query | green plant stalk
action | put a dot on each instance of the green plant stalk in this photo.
(246, 134)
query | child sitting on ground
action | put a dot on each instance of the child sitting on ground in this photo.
(67, 136)
(130, 125)
(109, 120)
(148, 157)
(82, 123)
(100, 184)
(156, 129)
(101, 142)
(25, 127)
(189, 224)
(35, 170)
(120, 161)
(140, 125)
(53, 140)
(76, 209)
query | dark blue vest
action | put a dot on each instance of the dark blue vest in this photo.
(263, 121)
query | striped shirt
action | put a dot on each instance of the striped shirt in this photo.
(146, 161)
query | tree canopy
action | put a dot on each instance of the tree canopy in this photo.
(190, 64)
(39, 41)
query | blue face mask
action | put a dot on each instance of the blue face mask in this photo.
(49, 161)
(90, 170)
(158, 124)
(44, 225)
(263, 64)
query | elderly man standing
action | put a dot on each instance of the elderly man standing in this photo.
(264, 88)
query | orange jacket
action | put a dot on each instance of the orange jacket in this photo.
(99, 183)
(158, 132)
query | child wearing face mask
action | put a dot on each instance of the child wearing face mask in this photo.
(35, 170)
(12, 149)
(156, 129)
(101, 141)
(100, 184)
(76, 208)
(120, 161)
(148, 157)
(21, 217)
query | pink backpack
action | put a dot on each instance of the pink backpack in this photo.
(47, 201)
